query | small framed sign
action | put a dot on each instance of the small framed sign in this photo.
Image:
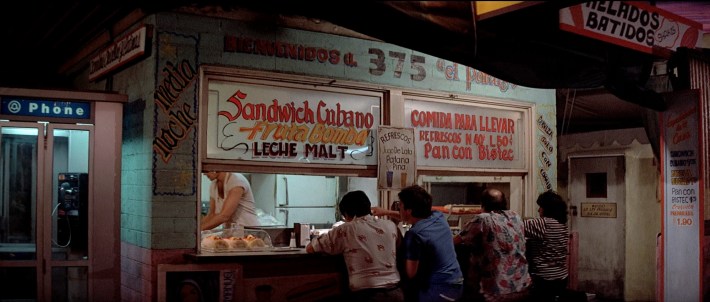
(397, 159)
(599, 209)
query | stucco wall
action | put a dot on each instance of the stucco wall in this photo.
(643, 223)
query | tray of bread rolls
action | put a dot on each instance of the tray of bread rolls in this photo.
(235, 240)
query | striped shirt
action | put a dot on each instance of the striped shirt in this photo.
(547, 246)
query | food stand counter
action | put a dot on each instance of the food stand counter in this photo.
(272, 271)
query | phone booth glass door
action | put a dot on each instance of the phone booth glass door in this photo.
(18, 210)
(44, 207)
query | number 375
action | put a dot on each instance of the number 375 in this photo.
(417, 62)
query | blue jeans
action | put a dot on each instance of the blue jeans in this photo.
(441, 292)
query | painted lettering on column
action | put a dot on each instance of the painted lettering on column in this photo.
(547, 147)
(176, 79)
(543, 126)
(545, 179)
(181, 120)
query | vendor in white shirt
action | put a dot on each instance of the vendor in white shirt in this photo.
(231, 202)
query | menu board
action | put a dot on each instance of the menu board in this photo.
(397, 158)
(467, 136)
(278, 123)
(682, 199)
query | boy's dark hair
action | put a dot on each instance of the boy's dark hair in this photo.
(553, 206)
(494, 200)
(355, 204)
(417, 199)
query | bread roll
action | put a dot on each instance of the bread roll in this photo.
(209, 241)
(214, 242)
(236, 243)
(221, 244)
(256, 243)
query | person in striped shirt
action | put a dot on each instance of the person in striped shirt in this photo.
(547, 240)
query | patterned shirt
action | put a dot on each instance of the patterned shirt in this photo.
(498, 244)
(369, 247)
(547, 241)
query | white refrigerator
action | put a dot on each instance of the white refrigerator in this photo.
(297, 198)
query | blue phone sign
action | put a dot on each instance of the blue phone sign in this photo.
(46, 108)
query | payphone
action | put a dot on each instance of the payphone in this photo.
(72, 210)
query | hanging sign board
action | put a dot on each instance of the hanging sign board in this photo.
(682, 155)
(119, 53)
(397, 161)
(259, 122)
(631, 24)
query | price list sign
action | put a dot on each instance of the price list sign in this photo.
(682, 200)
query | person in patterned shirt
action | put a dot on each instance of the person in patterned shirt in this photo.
(547, 246)
(369, 248)
(498, 268)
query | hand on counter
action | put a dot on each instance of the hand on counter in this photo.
(309, 249)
